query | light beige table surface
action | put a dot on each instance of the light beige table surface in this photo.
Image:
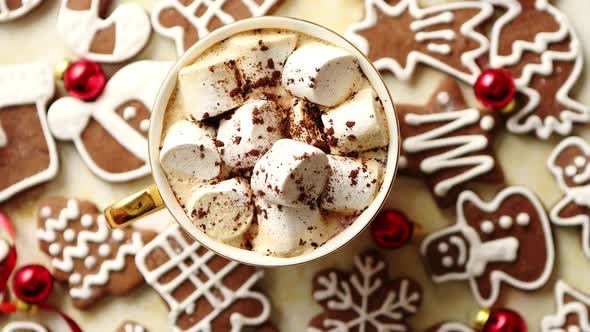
(33, 38)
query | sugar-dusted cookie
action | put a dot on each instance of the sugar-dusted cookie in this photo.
(364, 299)
(86, 254)
(131, 326)
(24, 326)
(450, 327)
(187, 21)
(448, 143)
(27, 151)
(505, 241)
(110, 133)
(13, 9)
(537, 44)
(572, 310)
(569, 164)
(117, 38)
(398, 35)
(204, 291)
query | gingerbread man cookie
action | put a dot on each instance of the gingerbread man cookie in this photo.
(27, 150)
(86, 254)
(398, 35)
(114, 39)
(537, 44)
(448, 143)
(364, 299)
(187, 21)
(24, 326)
(110, 133)
(569, 164)
(573, 311)
(131, 326)
(13, 9)
(506, 241)
(204, 292)
(450, 327)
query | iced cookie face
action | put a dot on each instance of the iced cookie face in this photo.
(570, 163)
(270, 142)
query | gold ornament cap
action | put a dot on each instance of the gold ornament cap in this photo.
(481, 318)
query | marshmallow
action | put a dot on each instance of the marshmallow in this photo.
(380, 155)
(188, 151)
(356, 125)
(305, 119)
(210, 88)
(224, 211)
(352, 185)
(287, 231)
(322, 74)
(262, 56)
(291, 173)
(249, 133)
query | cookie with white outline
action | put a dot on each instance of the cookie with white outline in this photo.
(448, 143)
(86, 255)
(572, 311)
(110, 133)
(89, 33)
(187, 21)
(450, 327)
(13, 9)
(24, 326)
(399, 35)
(28, 155)
(506, 241)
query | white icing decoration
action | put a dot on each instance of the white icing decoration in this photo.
(505, 222)
(504, 249)
(214, 10)
(118, 235)
(131, 327)
(29, 84)
(4, 250)
(78, 28)
(454, 327)
(455, 157)
(69, 235)
(447, 261)
(87, 220)
(74, 279)
(26, 326)
(9, 15)
(104, 250)
(89, 262)
(52, 225)
(3, 137)
(188, 250)
(443, 49)
(580, 161)
(129, 113)
(487, 123)
(144, 125)
(443, 248)
(523, 219)
(45, 212)
(576, 306)
(422, 17)
(487, 227)
(443, 98)
(54, 249)
(69, 116)
(571, 170)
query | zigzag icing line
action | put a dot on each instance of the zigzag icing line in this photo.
(48, 233)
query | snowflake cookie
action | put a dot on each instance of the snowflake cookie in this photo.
(110, 133)
(569, 164)
(505, 241)
(364, 299)
(114, 39)
(28, 155)
(573, 311)
(86, 254)
(187, 21)
(450, 327)
(204, 292)
(24, 326)
(398, 35)
(448, 143)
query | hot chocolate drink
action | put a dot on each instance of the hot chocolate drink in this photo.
(274, 141)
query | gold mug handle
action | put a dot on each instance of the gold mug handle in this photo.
(134, 207)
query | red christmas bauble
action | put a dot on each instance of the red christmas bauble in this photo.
(391, 229)
(32, 283)
(495, 88)
(504, 320)
(85, 80)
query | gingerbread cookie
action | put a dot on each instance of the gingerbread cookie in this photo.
(86, 254)
(13, 9)
(24, 327)
(131, 326)
(364, 299)
(27, 151)
(398, 35)
(569, 163)
(573, 311)
(450, 327)
(187, 21)
(506, 241)
(117, 38)
(448, 143)
(537, 44)
(204, 292)
(110, 133)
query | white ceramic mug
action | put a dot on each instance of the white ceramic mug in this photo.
(160, 195)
